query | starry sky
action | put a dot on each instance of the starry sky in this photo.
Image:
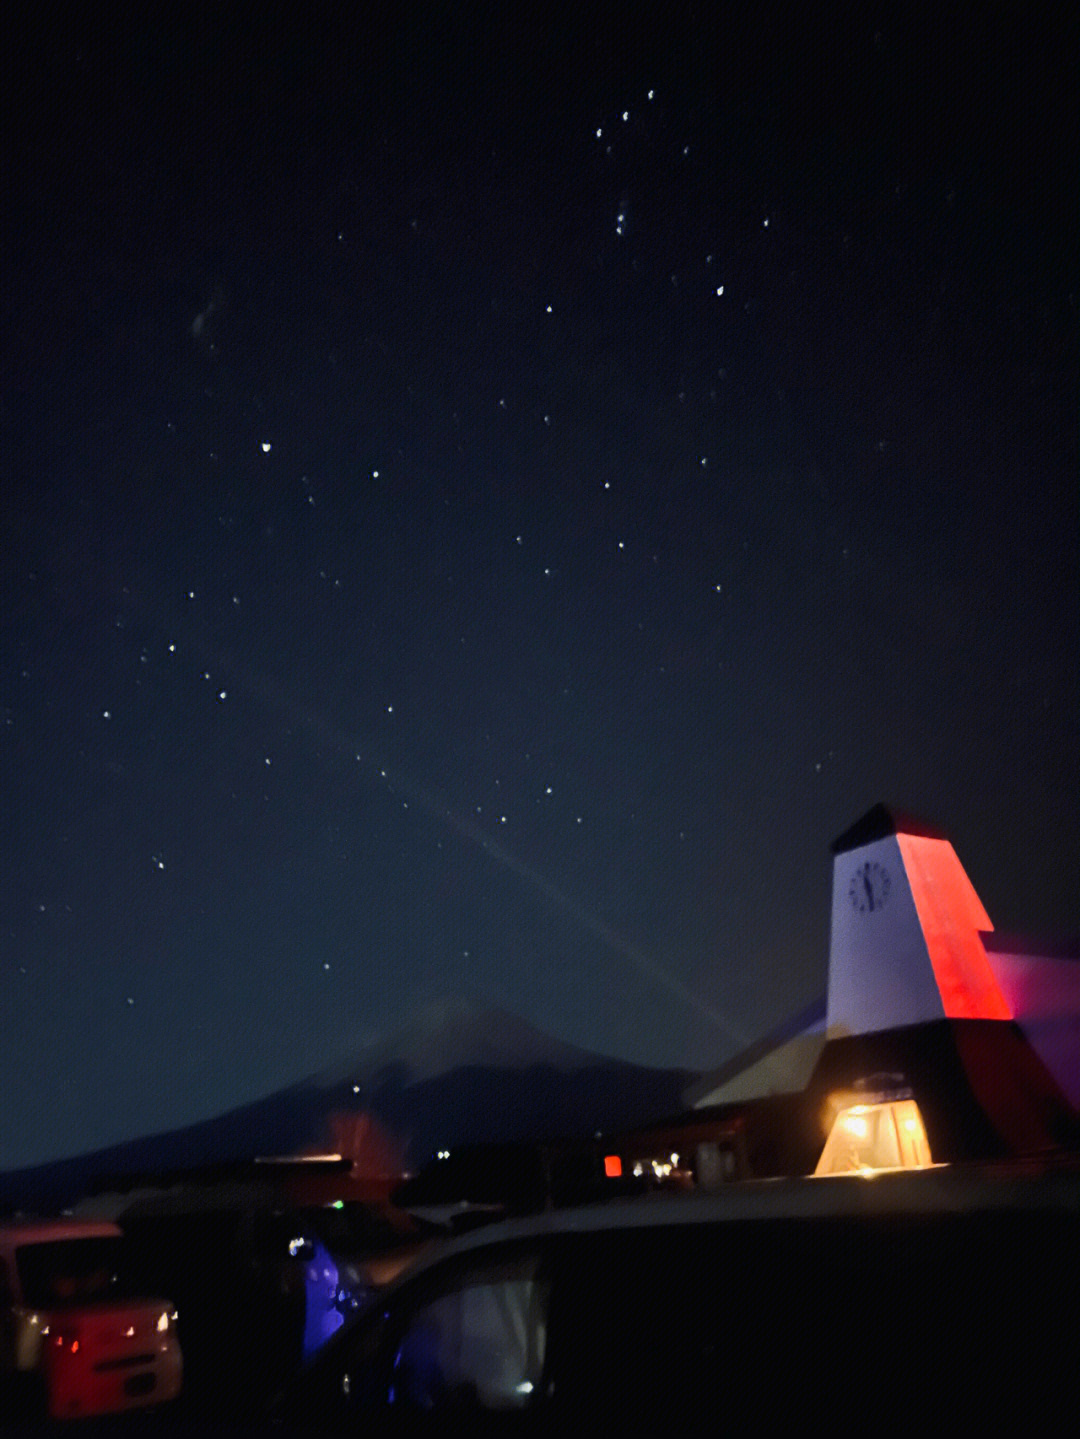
(487, 501)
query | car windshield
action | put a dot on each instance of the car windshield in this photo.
(74, 1271)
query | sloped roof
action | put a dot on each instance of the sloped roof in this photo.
(880, 821)
(781, 1062)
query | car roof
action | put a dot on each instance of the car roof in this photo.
(943, 1190)
(15, 1233)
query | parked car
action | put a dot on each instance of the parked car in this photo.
(335, 1256)
(76, 1331)
(260, 1287)
(877, 1305)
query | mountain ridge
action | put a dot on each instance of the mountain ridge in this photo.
(457, 1073)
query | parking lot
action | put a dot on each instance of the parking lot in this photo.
(848, 1302)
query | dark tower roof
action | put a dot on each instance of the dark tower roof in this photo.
(879, 823)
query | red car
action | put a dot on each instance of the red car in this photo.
(73, 1325)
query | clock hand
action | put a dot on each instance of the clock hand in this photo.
(869, 891)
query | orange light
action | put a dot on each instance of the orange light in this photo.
(612, 1166)
(867, 1138)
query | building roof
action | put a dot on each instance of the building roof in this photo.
(880, 821)
(780, 1062)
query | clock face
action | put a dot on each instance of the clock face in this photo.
(869, 888)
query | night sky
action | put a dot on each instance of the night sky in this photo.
(487, 501)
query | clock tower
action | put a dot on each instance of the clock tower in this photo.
(905, 943)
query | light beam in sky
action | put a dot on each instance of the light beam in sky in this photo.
(336, 739)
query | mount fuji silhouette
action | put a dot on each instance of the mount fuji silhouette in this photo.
(457, 1074)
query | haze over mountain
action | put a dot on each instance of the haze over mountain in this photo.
(448, 1034)
(458, 1073)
